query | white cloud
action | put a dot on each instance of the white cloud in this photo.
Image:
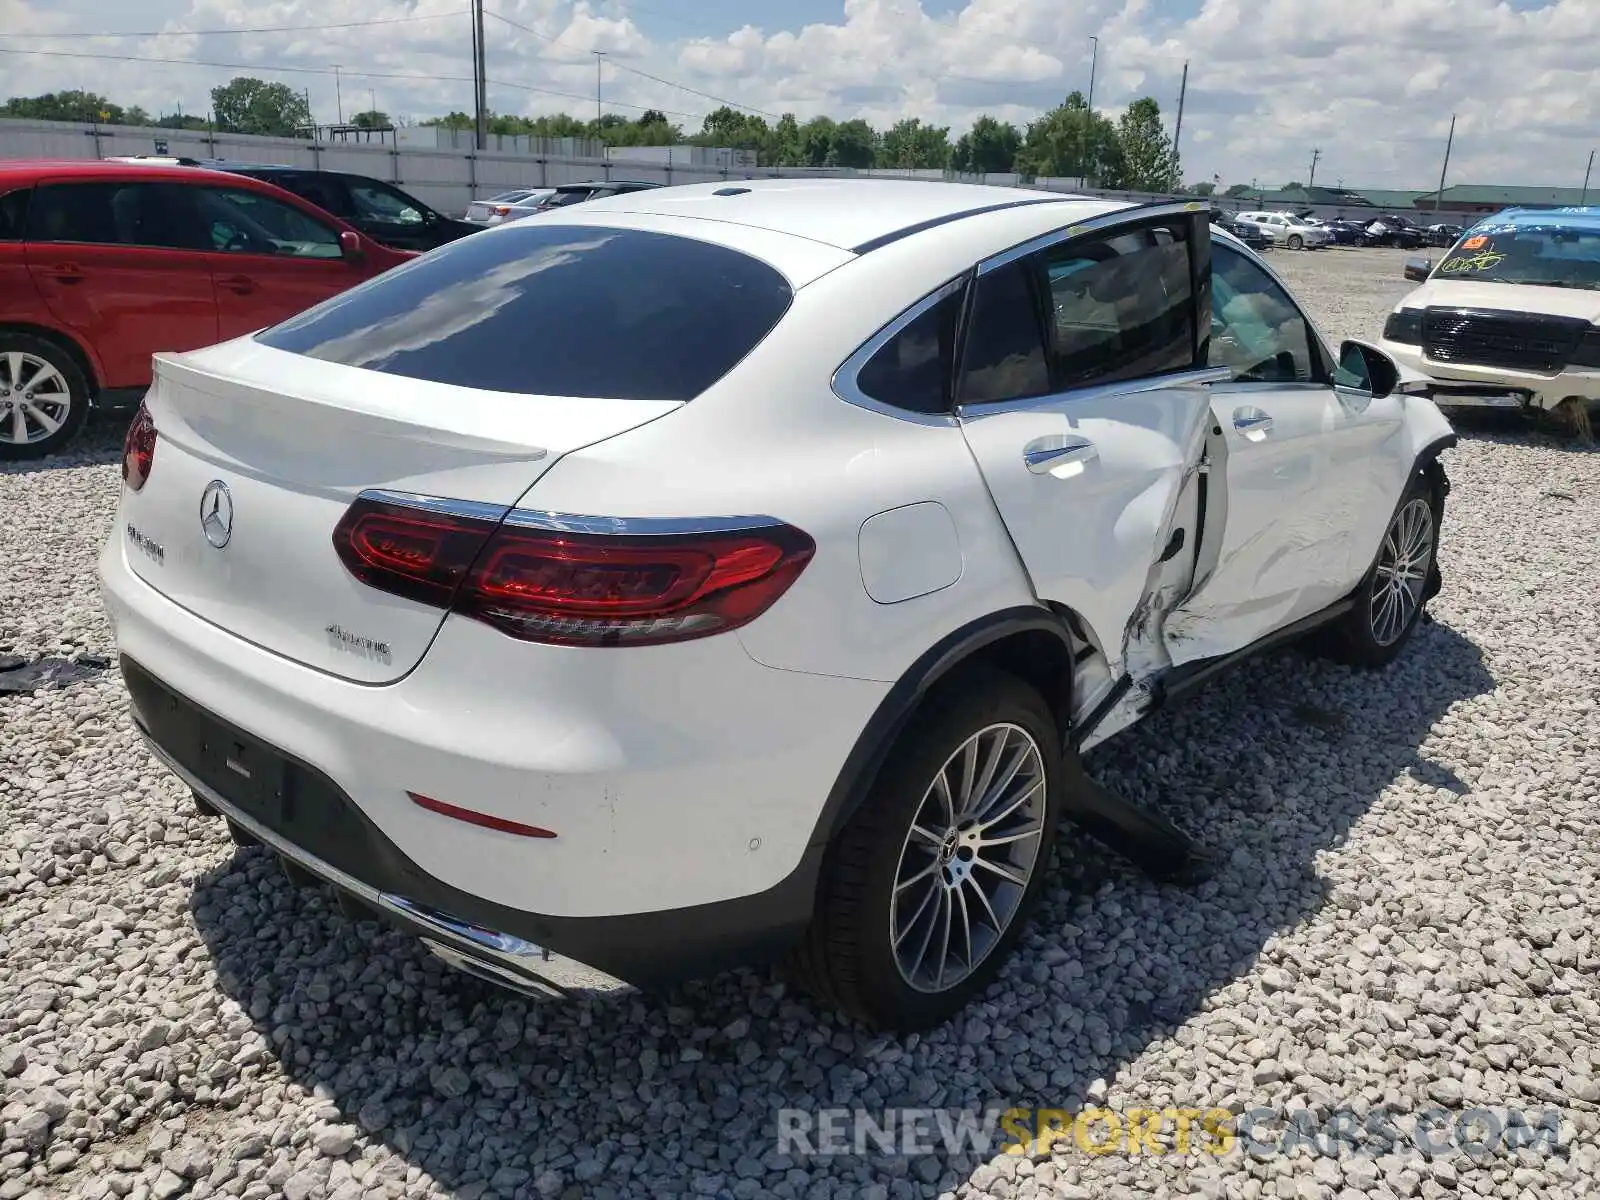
(1372, 83)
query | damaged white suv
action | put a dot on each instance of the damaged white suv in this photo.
(725, 573)
(1510, 318)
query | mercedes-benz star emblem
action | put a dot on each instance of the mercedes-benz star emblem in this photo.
(216, 513)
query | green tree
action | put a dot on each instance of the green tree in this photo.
(787, 146)
(372, 119)
(1202, 189)
(911, 145)
(249, 105)
(1070, 141)
(71, 106)
(988, 148)
(451, 120)
(1148, 161)
(181, 121)
(855, 144)
(1236, 190)
(816, 141)
(1294, 185)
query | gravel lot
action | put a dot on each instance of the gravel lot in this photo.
(1406, 919)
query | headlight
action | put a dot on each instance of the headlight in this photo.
(1404, 326)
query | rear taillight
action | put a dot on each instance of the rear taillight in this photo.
(538, 580)
(421, 553)
(139, 449)
(501, 210)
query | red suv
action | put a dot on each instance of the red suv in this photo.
(103, 264)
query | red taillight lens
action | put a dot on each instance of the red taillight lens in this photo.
(139, 449)
(412, 552)
(501, 210)
(621, 590)
(573, 589)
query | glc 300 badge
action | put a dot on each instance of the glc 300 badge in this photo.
(216, 513)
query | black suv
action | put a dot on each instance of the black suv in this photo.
(380, 210)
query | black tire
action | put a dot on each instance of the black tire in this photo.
(1359, 638)
(848, 957)
(67, 402)
(1296, 242)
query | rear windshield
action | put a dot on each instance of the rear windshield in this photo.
(556, 310)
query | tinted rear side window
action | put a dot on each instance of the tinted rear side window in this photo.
(912, 369)
(13, 215)
(557, 310)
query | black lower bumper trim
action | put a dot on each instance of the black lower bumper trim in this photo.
(305, 808)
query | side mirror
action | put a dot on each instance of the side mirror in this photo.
(350, 246)
(1418, 269)
(1365, 370)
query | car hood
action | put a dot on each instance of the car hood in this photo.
(1512, 297)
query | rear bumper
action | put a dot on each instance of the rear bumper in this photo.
(319, 828)
(685, 789)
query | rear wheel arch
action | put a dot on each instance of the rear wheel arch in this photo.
(1030, 643)
(69, 344)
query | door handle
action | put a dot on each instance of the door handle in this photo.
(1045, 454)
(241, 285)
(1249, 420)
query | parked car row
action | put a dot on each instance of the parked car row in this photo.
(511, 206)
(104, 263)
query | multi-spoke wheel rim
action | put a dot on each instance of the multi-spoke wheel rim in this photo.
(967, 859)
(1402, 572)
(35, 400)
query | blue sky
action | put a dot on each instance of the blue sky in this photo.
(1371, 83)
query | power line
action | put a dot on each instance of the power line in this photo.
(155, 33)
(257, 68)
(555, 41)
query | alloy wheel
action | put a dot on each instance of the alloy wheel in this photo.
(1402, 572)
(968, 857)
(35, 398)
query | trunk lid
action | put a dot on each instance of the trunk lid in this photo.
(294, 440)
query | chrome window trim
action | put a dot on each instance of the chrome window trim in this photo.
(1123, 387)
(1137, 215)
(554, 522)
(844, 378)
(442, 505)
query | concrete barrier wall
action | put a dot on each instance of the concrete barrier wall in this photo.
(449, 177)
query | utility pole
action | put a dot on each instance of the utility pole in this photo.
(481, 74)
(1086, 149)
(1449, 142)
(1177, 132)
(599, 70)
(338, 93)
(1584, 198)
(1316, 155)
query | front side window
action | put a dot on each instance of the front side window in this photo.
(375, 203)
(1121, 307)
(554, 310)
(911, 371)
(1256, 330)
(113, 214)
(237, 221)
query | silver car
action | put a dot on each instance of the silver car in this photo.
(507, 206)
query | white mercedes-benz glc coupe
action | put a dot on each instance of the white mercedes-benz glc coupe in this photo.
(735, 573)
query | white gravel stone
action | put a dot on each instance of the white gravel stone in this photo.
(1405, 919)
